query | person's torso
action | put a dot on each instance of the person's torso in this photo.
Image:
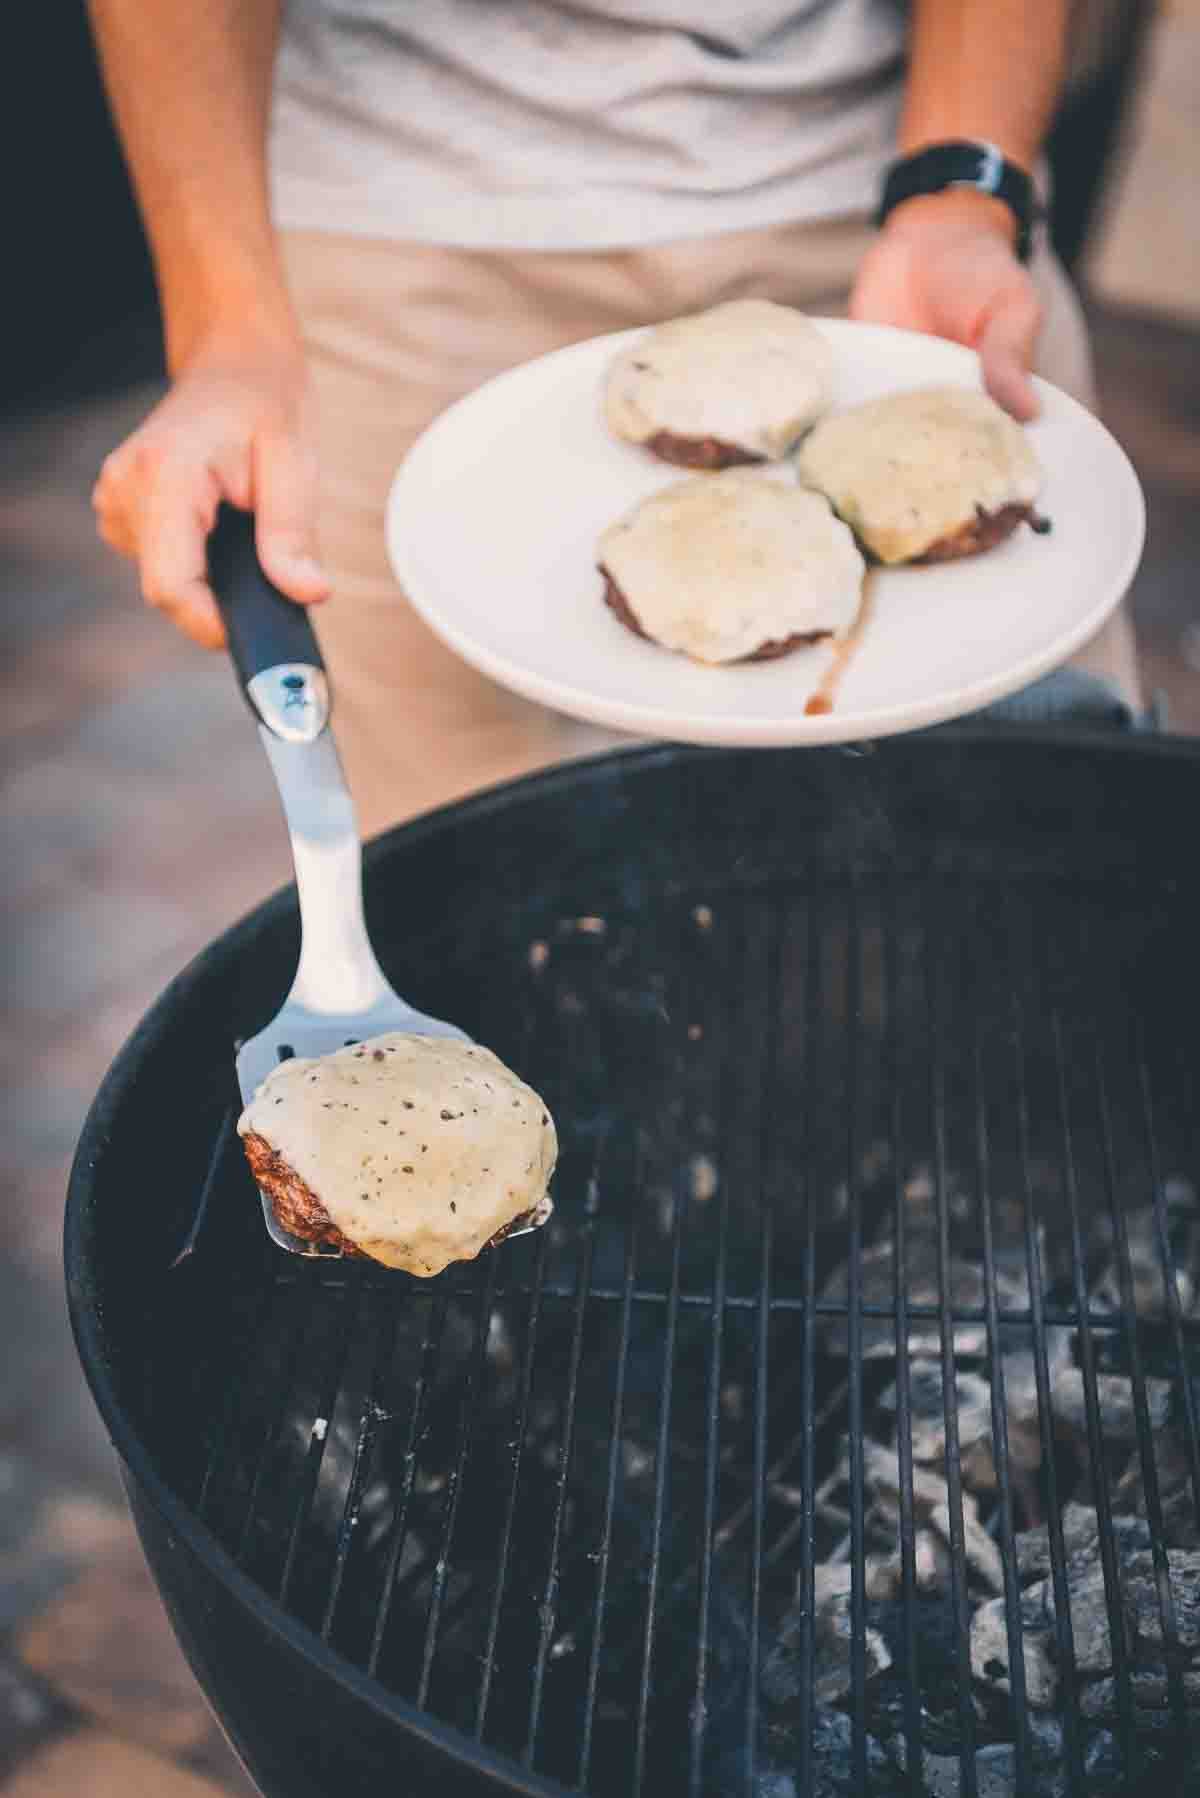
(566, 124)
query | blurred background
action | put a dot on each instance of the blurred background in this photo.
(138, 817)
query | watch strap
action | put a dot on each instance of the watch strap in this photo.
(964, 164)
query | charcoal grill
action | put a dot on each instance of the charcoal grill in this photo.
(818, 1028)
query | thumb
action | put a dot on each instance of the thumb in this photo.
(285, 495)
(1006, 345)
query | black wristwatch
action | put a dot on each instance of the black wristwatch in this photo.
(980, 166)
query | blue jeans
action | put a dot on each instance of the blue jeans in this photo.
(1068, 696)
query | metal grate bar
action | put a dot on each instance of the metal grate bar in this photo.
(762, 1343)
(999, 1407)
(729, 1528)
(1170, 1288)
(670, 1598)
(241, 1361)
(805, 1579)
(604, 1551)
(520, 1428)
(273, 1436)
(241, 1364)
(712, 1436)
(372, 1414)
(1064, 1633)
(793, 1303)
(466, 1418)
(858, 1621)
(1141, 1408)
(698, 1716)
(548, 1609)
(310, 1469)
(958, 1583)
(1087, 1356)
(226, 1156)
(662, 1456)
(435, 1323)
(908, 1570)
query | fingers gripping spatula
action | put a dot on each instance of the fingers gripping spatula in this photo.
(339, 994)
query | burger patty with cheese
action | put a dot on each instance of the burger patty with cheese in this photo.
(926, 476)
(413, 1150)
(732, 567)
(738, 383)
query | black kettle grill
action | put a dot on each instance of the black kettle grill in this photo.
(868, 1297)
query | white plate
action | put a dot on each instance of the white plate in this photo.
(494, 516)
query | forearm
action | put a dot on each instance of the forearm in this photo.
(985, 69)
(190, 89)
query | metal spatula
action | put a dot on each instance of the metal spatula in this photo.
(339, 995)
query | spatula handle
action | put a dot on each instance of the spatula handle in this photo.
(271, 641)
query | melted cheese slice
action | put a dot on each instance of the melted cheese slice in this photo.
(420, 1148)
(718, 565)
(911, 468)
(749, 373)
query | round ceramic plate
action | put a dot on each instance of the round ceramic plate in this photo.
(495, 513)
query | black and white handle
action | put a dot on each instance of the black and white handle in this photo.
(271, 641)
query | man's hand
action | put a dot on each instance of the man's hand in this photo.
(233, 427)
(190, 87)
(945, 264)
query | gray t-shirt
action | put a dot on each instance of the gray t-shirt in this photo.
(580, 124)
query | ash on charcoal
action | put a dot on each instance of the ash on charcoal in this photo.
(1148, 1274)
(1150, 1692)
(1177, 1495)
(964, 1281)
(833, 1761)
(1104, 1767)
(996, 1767)
(989, 1648)
(931, 1510)
(832, 1644)
(1022, 1412)
(1090, 1634)
(1089, 1613)
(935, 1672)
(831, 1765)
(1140, 1592)
(964, 1290)
(942, 1774)
(1081, 1541)
(1115, 1402)
(927, 1414)
(996, 1771)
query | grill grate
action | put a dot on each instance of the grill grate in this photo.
(819, 1141)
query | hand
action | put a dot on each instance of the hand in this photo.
(946, 264)
(233, 427)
